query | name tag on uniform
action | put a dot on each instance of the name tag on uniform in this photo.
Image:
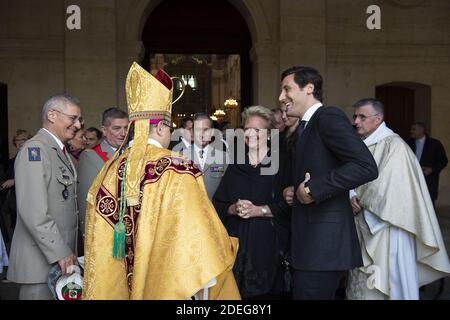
(34, 154)
(217, 169)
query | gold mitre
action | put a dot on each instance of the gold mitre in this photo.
(149, 102)
(149, 97)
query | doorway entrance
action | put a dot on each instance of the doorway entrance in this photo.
(201, 31)
(4, 150)
(405, 103)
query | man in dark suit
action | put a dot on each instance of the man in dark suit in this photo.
(431, 155)
(329, 160)
(183, 137)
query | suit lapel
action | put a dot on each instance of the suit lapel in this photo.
(54, 145)
(65, 159)
(301, 143)
(208, 155)
(426, 146)
(307, 131)
(106, 147)
(413, 146)
(195, 158)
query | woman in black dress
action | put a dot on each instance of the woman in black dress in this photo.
(7, 187)
(247, 202)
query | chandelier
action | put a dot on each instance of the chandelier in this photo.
(230, 103)
(219, 113)
(189, 80)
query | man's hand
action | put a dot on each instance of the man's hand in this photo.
(427, 171)
(356, 207)
(7, 184)
(67, 261)
(302, 196)
(288, 195)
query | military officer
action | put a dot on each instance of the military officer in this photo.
(45, 177)
(206, 154)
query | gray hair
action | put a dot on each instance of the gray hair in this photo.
(376, 104)
(111, 114)
(259, 111)
(58, 102)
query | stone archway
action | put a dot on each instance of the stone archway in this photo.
(263, 54)
(251, 11)
(4, 152)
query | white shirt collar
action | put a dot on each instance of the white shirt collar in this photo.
(310, 112)
(153, 142)
(109, 144)
(422, 140)
(186, 143)
(60, 144)
(150, 141)
(197, 149)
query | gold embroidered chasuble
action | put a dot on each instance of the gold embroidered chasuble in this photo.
(175, 241)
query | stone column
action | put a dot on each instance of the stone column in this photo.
(127, 53)
(90, 58)
(303, 35)
(264, 57)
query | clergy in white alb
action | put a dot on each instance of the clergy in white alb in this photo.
(400, 238)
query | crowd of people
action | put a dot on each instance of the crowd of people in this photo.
(298, 203)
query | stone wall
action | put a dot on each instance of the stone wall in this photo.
(39, 56)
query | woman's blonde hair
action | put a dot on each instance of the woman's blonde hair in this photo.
(259, 111)
(21, 132)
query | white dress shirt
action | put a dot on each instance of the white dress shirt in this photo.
(420, 143)
(310, 112)
(202, 158)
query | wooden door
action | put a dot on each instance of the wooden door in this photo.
(399, 108)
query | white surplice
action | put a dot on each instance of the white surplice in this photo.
(401, 242)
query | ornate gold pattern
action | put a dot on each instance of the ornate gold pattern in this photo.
(146, 96)
(107, 205)
(170, 252)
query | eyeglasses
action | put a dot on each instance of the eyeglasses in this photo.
(72, 118)
(167, 125)
(363, 117)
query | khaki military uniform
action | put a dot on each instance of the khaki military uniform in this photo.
(46, 229)
(214, 169)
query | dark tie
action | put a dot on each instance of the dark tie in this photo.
(301, 127)
(201, 153)
(295, 155)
